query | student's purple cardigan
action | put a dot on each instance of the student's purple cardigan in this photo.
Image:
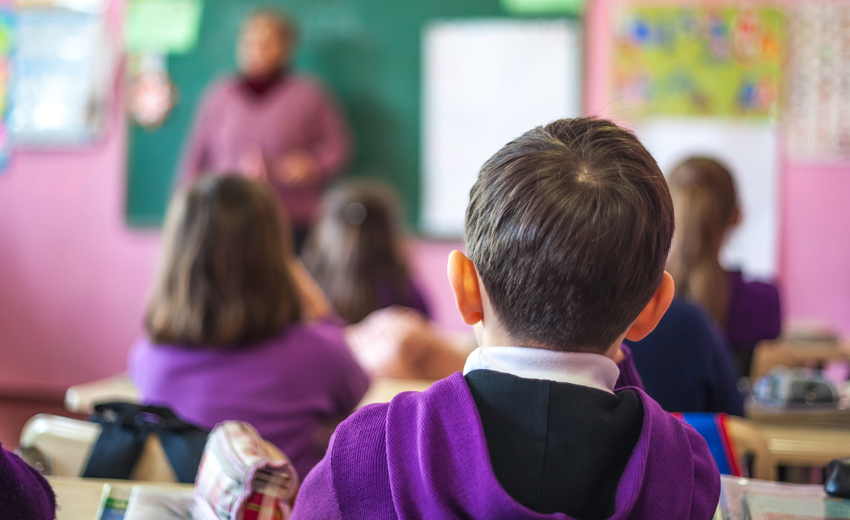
(24, 493)
(424, 456)
(291, 388)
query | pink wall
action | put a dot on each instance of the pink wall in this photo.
(73, 276)
(815, 230)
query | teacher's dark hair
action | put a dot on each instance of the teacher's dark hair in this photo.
(224, 279)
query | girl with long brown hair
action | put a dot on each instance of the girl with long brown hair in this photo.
(235, 327)
(707, 209)
(355, 253)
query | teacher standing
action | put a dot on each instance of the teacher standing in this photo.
(269, 122)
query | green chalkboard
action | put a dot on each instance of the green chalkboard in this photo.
(366, 51)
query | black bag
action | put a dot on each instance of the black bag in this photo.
(125, 429)
(837, 483)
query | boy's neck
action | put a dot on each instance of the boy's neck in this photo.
(497, 336)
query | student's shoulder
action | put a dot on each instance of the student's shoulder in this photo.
(688, 314)
(741, 288)
(325, 339)
(687, 322)
(672, 441)
(442, 399)
(326, 331)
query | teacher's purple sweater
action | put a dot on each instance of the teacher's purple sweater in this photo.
(292, 389)
(424, 456)
(296, 114)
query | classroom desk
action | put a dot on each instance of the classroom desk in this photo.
(769, 354)
(79, 499)
(804, 445)
(809, 438)
(82, 398)
(813, 418)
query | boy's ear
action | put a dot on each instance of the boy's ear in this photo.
(654, 310)
(464, 281)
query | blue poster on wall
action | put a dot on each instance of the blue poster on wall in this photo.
(7, 25)
(61, 83)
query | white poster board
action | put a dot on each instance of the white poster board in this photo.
(749, 149)
(485, 83)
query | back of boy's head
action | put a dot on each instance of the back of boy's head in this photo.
(569, 227)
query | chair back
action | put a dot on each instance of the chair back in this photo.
(67, 444)
(731, 441)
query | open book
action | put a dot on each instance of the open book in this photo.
(768, 506)
(159, 503)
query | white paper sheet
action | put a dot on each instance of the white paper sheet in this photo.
(485, 83)
(750, 151)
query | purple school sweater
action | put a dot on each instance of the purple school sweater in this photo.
(424, 456)
(292, 389)
(24, 493)
(296, 114)
(754, 312)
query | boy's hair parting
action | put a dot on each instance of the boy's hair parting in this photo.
(355, 249)
(706, 204)
(569, 227)
(224, 277)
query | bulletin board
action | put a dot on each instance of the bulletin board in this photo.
(709, 80)
(818, 118)
(696, 60)
(368, 52)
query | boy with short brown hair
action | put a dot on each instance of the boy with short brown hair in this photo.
(568, 229)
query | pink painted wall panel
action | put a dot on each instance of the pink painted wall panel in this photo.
(73, 277)
(816, 248)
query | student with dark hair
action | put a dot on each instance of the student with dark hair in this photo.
(24, 493)
(685, 364)
(235, 328)
(355, 253)
(707, 209)
(568, 229)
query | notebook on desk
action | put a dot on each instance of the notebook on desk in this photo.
(767, 506)
(154, 503)
(750, 499)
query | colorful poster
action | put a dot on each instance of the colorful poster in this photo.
(701, 60)
(6, 40)
(818, 117)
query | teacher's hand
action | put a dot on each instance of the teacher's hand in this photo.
(252, 164)
(298, 168)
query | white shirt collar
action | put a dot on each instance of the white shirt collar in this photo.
(579, 368)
